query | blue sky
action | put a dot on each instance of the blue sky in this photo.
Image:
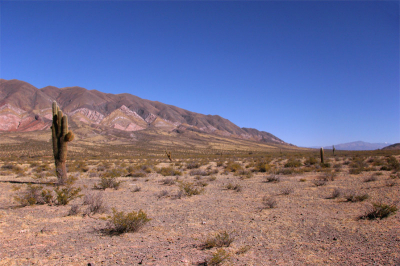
(312, 73)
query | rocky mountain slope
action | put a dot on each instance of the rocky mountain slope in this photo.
(24, 107)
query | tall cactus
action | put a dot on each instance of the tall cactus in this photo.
(333, 150)
(322, 155)
(61, 136)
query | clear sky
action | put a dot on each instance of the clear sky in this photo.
(313, 73)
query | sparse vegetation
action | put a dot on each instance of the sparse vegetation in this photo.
(220, 239)
(120, 222)
(379, 211)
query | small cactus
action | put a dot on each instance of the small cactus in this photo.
(322, 155)
(60, 136)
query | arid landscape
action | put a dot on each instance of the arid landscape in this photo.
(172, 187)
(255, 206)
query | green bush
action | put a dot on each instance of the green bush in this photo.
(121, 223)
(66, 194)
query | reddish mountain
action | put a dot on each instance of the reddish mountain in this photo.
(24, 107)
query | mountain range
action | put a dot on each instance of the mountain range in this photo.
(357, 146)
(23, 107)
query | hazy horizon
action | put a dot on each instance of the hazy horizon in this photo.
(310, 73)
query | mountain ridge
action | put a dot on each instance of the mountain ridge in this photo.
(24, 107)
(356, 146)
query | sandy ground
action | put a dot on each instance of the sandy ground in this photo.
(305, 227)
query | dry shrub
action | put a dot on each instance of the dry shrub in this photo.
(378, 211)
(190, 189)
(35, 195)
(319, 182)
(272, 178)
(335, 194)
(220, 239)
(217, 258)
(292, 163)
(162, 194)
(286, 190)
(168, 181)
(235, 187)
(352, 196)
(95, 203)
(169, 171)
(268, 202)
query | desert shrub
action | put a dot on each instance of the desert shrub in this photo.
(74, 210)
(168, 181)
(169, 171)
(310, 161)
(220, 163)
(193, 165)
(244, 174)
(78, 167)
(243, 250)
(220, 239)
(379, 211)
(319, 182)
(335, 193)
(272, 178)
(137, 173)
(162, 194)
(392, 163)
(108, 182)
(262, 167)
(201, 183)
(65, 194)
(302, 180)
(212, 178)
(113, 173)
(268, 202)
(233, 167)
(355, 171)
(285, 171)
(95, 203)
(31, 196)
(190, 189)
(198, 172)
(328, 176)
(352, 196)
(286, 190)
(121, 223)
(292, 163)
(218, 257)
(235, 187)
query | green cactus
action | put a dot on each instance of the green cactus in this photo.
(333, 150)
(322, 155)
(60, 136)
